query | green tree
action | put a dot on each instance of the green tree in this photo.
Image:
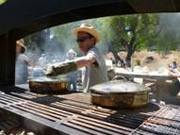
(127, 32)
(131, 32)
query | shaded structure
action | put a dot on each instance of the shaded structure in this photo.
(20, 18)
(66, 114)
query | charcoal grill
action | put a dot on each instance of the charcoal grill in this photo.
(69, 114)
(165, 122)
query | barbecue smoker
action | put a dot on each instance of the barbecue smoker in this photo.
(119, 93)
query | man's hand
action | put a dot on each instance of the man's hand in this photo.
(50, 71)
(60, 68)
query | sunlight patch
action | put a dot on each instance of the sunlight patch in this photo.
(2, 1)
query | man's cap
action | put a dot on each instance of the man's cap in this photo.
(88, 29)
(21, 43)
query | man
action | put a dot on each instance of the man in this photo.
(71, 55)
(22, 61)
(95, 73)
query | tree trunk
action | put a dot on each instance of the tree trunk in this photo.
(115, 53)
(131, 47)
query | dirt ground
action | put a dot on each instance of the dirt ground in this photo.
(159, 60)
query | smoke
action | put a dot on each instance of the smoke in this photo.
(21, 69)
(169, 26)
(170, 22)
(48, 50)
(53, 44)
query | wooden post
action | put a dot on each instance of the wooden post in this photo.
(160, 86)
(7, 60)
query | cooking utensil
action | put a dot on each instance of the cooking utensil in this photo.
(119, 93)
(49, 85)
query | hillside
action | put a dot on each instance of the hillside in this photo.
(158, 61)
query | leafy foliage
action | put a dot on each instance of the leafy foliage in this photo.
(2, 1)
(126, 32)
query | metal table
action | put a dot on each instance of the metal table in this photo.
(160, 79)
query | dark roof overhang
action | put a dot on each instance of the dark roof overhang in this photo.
(20, 18)
(23, 17)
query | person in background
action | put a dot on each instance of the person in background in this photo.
(42, 60)
(113, 61)
(138, 67)
(173, 69)
(95, 73)
(173, 66)
(22, 62)
(174, 72)
(71, 55)
(127, 63)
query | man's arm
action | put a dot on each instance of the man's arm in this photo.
(174, 74)
(63, 68)
(85, 61)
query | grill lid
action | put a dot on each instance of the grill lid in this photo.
(119, 86)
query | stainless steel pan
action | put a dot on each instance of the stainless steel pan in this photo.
(44, 84)
(119, 93)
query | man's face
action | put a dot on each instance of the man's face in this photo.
(85, 41)
(71, 55)
(18, 49)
